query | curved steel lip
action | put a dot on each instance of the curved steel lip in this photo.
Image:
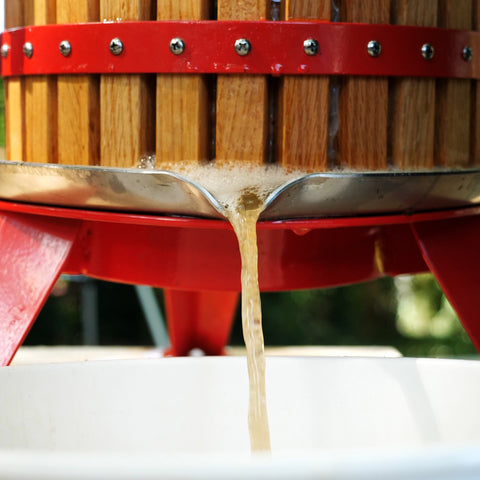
(317, 195)
(117, 189)
(347, 194)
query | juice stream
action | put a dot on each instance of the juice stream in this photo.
(242, 190)
(243, 218)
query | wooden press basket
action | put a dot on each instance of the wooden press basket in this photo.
(313, 122)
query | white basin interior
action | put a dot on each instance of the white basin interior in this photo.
(324, 414)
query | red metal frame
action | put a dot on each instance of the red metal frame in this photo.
(34, 250)
(197, 261)
(277, 49)
(199, 319)
(450, 249)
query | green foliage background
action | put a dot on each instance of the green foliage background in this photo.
(363, 314)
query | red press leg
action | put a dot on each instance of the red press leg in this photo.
(199, 320)
(33, 251)
(451, 249)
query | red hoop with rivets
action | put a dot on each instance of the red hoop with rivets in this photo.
(277, 48)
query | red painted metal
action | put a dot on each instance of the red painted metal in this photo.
(450, 249)
(204, 259)
(34, 250)
(195, 254)
(301, 226)
(197, 261)
(199, 320)
(277, 49)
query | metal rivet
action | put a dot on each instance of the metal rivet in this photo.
(116, 46)
(65, 48)
(467, 53)
(177, 46)
(374, 48)
(28, 49)
(428, 51)
(242, 46)
(4, 50)
(311, 47)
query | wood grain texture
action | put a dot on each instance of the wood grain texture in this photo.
(127, 117)
(452, 126)
(78, 97)
(183, 9)
(475, 103)
(364, 11)
(182, 114)
(307, 9)
(363, 102)
(14, 94)
(40, 95)
(302, 120)
(39, 12)
(125, 10)
(242, 105)
(242, 9)
(412, 100)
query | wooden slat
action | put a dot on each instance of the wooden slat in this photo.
(452, 126)
(14, 94)
(363, 102)
(412, 100)
(78, 97)
(242, 107)
(14, 13)
(475, 104)
(127, 121)
(182, 115)
(40, 96)
(302, 124)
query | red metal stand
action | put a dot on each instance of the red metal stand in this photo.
(198, 264)
(34, 250)
(199, 320)
(450, 249)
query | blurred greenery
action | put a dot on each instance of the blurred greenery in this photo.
(409, 313)
(121, 319)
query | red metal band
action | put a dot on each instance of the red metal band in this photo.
(277, 48)
(301, 226)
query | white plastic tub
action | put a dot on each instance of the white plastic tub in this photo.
(334, 418)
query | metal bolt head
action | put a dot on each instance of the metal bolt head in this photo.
(467, 53)
(28, 49)
(116, 46)
(4, 50)
(65, 48)
(177, 46)
(242, 46)
(311, 47)
(374, 48)
(427, 50)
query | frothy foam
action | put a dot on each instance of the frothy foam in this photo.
(229, 182)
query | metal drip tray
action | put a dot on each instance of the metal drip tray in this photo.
(375, 193)
(312, 196)
(129, 190)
